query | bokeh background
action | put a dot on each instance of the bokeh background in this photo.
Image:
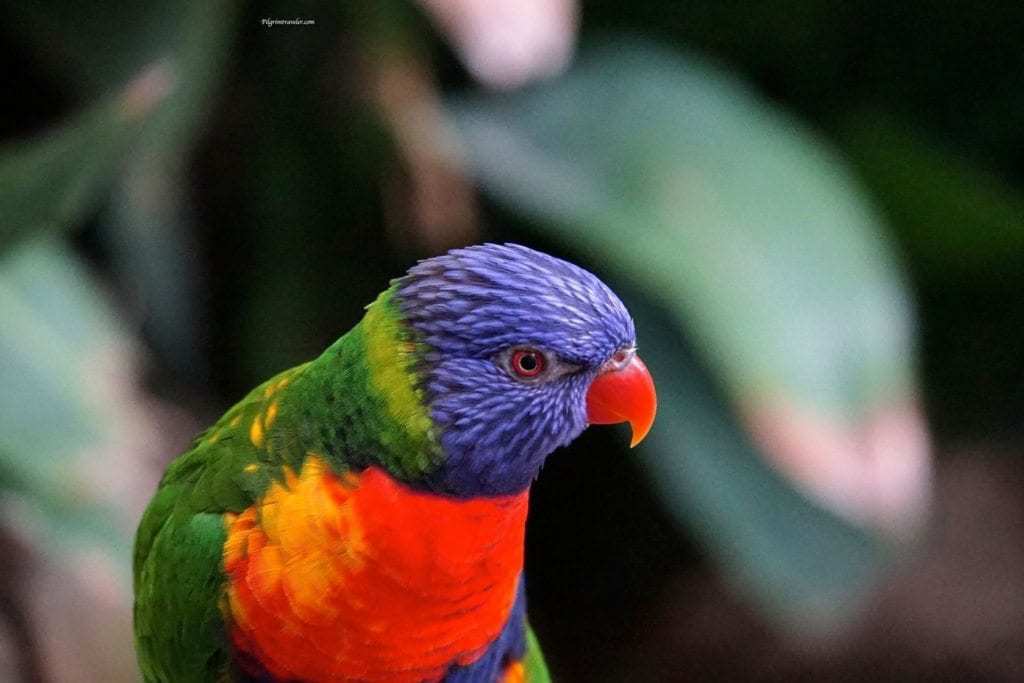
(814, 208)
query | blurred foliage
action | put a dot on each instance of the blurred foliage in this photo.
(230, 195)
(53, 324)
(716, 207)
(76, 436)
(76, 164)
(743, 229)
(953, 215)
(961, 225)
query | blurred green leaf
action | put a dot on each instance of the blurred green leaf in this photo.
(808, 566)
(739, 227)
(950, 214)
(57, 337)
(75, 439)
(149, 224)
(79, 445)
(727, 208)
(49, 184)
(89, 48)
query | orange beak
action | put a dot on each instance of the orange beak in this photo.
(624, 394)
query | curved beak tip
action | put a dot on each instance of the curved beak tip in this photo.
(640, 430)
(624, 395)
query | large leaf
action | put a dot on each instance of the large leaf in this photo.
(953, 216)
(80, 44)
(741, 229)
(50, 183)
(79, 443)
(71, 171)
(149, 225)
(64, 354)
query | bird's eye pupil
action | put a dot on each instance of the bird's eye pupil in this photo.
(527, 363)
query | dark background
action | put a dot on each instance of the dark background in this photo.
(285, 201)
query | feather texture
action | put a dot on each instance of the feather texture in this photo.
(361, 517)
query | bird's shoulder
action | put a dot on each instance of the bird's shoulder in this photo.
(273, 430)
(180, 540)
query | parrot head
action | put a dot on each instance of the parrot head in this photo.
(521, 352)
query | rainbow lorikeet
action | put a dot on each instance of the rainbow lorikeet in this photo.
(361, 517)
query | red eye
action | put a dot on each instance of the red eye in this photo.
(527, 363)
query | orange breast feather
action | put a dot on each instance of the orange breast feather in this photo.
(359, 577)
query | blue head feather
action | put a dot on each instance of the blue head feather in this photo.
(469, 307)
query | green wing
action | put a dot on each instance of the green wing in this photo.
(179, 633)
(179, 579)
(533, 660)
(360, 397)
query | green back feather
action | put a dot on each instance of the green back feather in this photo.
(358, 404)
(533, 661)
